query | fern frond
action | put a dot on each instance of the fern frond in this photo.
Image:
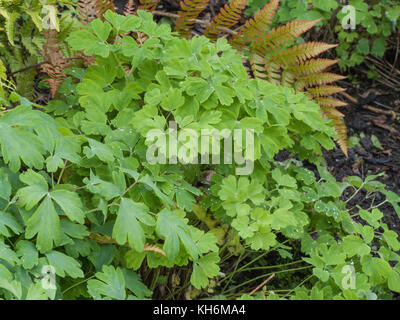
(267, 71)
(154, 248)
(190, 11)
(258, 25)
(10, 18)
(148, 5)
(298, 54)
(317, 79)
(87, 11)
(332, 113)
(102, 6)
(35, 16)
(323, 91)
(226, 18)
(277, 38)
(130, 8)
(341, 131)
(56, 61)
(26, 36)
(330, 102)
(311, 66)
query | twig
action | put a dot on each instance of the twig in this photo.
(349, 97)
(377, 110)
(262, 284)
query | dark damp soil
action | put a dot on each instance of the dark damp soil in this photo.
(377, 114)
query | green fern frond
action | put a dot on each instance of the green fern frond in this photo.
(35, 16)
(10, 18)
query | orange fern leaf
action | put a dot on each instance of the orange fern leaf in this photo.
(226, 18)
(258, 25)
(148, 5)
(323, 91)
(330, 102)
(278, 38)
(261, 70)
(311, 66)
(56, 62)
(341, 131)
(154, 248)
(102, 239)
(297, 54)
(332, 113)
(190, 11)
(317, 79)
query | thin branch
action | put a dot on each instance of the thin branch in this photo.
(262, 284)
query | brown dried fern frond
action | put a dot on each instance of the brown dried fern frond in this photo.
(56, 62)
(148, 5)
(130, 8)
(102, 6)
(190, 11)
(226, 18)
(86, 11)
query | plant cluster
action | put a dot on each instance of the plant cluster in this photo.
(78, 194)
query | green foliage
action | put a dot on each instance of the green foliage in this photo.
(78, 193)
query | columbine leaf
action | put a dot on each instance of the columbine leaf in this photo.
(175, 230)
(18, 143)
(110, 284)
(127, 226)
(46, 224)
(135, 284)
(64, 264)
(9, 222)
(36, 190)
(28, 253)
(70, 203)
(203, 269)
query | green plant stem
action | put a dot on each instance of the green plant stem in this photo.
(263, 276)
(301, 283)
(77, 284)
(271, 267)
